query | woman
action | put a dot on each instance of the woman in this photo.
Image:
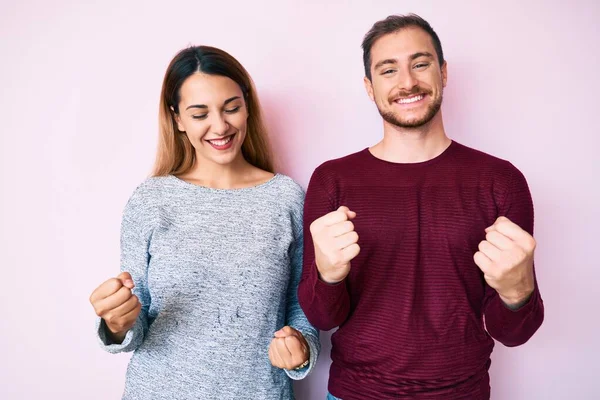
(211, 251)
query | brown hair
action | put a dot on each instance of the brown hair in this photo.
(393, 24)
(175, 154)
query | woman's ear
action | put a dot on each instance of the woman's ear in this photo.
(177, 119)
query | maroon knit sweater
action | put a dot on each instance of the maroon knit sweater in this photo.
(411, 312)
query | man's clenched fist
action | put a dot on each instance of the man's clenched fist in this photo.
(506, 259)
(336, 244)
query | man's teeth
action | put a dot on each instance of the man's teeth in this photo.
(221, 142)
(410, 99)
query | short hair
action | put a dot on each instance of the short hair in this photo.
(393, 24)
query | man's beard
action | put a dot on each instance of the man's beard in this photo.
(394, 119)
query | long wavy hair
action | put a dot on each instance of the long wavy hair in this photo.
(175, 154)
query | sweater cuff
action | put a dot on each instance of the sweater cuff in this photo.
(330, 293)
(314, 346)
(510, 317)
(106, 342)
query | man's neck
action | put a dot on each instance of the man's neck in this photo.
(412, 145)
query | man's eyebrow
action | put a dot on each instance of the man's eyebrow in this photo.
(421, 54)
(384, 62)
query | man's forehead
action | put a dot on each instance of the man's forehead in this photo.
(404, 42)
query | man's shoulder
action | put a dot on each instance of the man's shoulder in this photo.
(342, 165)
(481, 161)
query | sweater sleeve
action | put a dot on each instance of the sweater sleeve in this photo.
(135, 240)
(295, 317)
(326, 305)
(514, 327)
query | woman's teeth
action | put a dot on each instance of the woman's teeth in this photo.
(221, 142)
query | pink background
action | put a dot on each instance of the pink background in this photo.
(79, 86)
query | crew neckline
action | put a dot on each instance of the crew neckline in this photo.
(434, 160)
(185, 183)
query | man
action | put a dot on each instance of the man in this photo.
(419, 248)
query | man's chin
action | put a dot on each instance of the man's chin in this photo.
(406, 123)
(416, 122)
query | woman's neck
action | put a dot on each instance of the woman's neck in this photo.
(234, 175)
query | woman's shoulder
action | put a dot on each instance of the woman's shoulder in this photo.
(149, 194)
(152, 187)
(286, 182)
(288, 188)
(289, 196)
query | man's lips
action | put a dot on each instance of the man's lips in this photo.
(410, 99)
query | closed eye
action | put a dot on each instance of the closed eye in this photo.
(202, 116)
(233, 110)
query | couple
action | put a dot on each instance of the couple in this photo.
(408, 246)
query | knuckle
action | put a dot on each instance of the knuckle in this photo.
(530, 243)
(125, 291)
(124, 294)
(120, 326)
(110, 318)
(100, 311)
(513, 247)
(290, 339)
(504, 223)
(114, 283)
(335, 259)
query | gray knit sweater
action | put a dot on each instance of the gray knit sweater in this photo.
(216, 272)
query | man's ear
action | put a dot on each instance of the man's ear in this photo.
(444, 73)
(369, 87)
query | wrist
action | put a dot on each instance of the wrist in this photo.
(306, 351)
(327, 278)
(330, 281)
(116, 336)
(516, 301)
(303, 365)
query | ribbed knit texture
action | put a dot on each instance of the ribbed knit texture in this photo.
(411, 311)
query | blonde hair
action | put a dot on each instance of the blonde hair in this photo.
(175, 154)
